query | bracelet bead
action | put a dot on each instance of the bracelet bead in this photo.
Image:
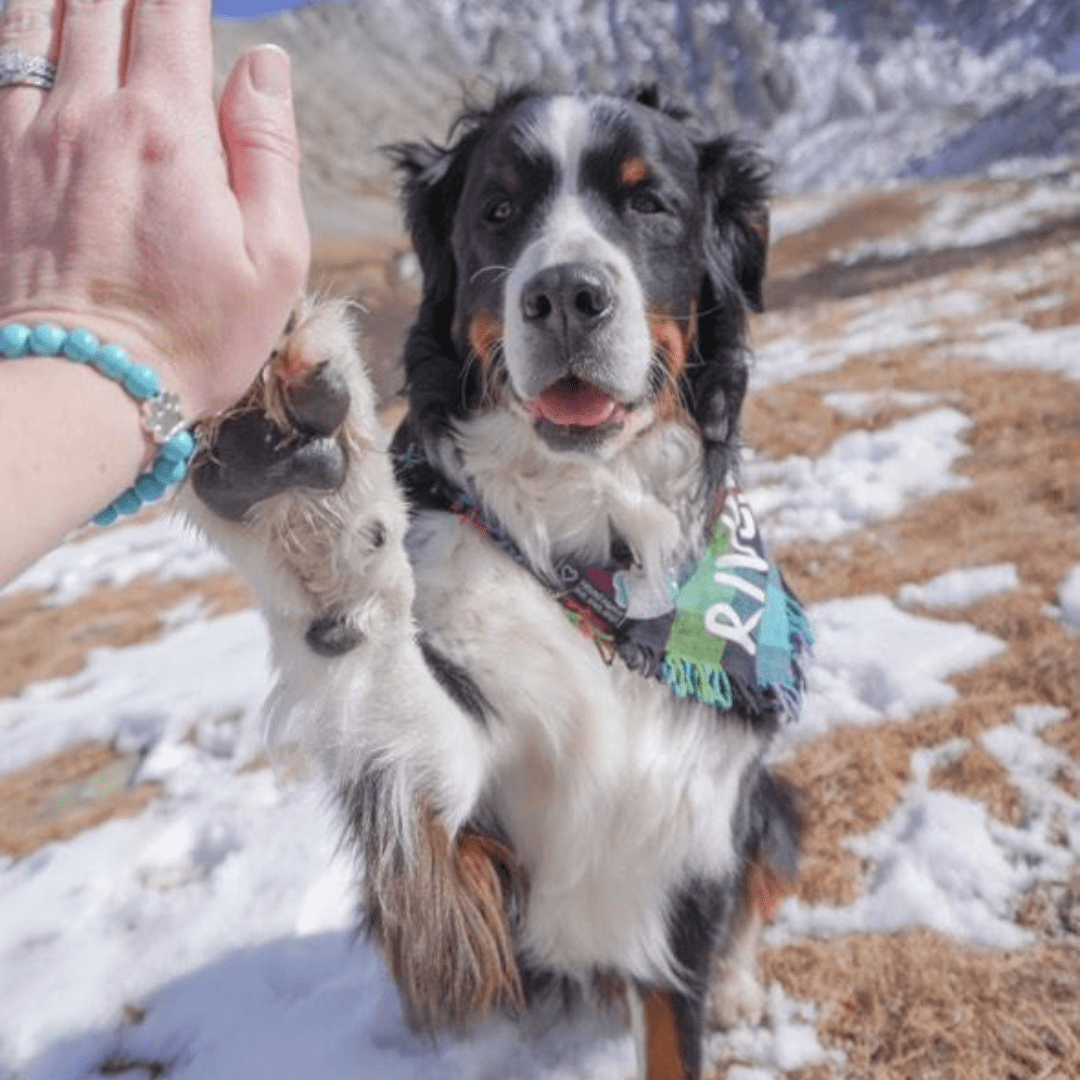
(142, 382)
(160, 413)
(81, 346)
(46, 339)
(112, 361)
(13, 339)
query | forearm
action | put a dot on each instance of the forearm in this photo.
(70, 441)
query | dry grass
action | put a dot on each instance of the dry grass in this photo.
(61, 796)
(39, 642)
(977, 775)
(918, 1006)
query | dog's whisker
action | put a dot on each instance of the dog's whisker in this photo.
(491, 374)
(494, 269)
(662, 376)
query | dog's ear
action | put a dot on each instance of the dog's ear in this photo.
(432, 178)
(734, 186)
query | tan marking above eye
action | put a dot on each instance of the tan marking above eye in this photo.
(633, 171)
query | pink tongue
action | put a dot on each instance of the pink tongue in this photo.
(573, 403)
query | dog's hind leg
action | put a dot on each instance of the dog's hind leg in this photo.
(296, 488)
(669, 1021)
(668, 1033)
(771, 850)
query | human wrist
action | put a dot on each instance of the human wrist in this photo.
(160, 415)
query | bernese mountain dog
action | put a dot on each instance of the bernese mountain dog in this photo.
(536, 643)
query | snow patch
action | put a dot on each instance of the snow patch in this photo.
(864, 477)
(163, 549)
(1069, 598)
(863, 404)
(958, 588)
(146, 695)
(873, 662)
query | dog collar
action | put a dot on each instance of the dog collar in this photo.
(734, 636)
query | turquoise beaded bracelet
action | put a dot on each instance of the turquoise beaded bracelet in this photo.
(162, 418)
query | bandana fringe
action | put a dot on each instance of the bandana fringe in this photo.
(693, 678)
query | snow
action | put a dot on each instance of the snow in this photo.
(958, 588)
(865, 476)
(205, 681)
(1069, 598)
(787, 1040)
(971, 215)
(863, 404)
(162, 548)
(969, 891)
(874, 662)
(1012, 343)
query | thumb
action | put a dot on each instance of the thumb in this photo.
(259, 131)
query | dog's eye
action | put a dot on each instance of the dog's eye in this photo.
(644, 201)
(498, 210)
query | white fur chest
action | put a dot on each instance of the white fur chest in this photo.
(612, 792)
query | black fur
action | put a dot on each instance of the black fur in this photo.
(457, 682)
(700, 917)
(333, 635)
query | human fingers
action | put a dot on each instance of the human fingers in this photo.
(91, 48)
(259, 131)
(170, 48)
(30, 28)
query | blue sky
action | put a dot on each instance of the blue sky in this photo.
(236, 8)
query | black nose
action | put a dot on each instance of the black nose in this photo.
(574, 296)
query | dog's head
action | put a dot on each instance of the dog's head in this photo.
(588, 262)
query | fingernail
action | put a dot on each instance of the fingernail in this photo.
(269, 68)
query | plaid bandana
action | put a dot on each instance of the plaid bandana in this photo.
(730, 633)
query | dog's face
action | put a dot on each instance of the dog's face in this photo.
(578, 243)
(588, 263)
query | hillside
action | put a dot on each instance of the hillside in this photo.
(841, 95)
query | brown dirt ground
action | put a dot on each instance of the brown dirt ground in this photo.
(61, 796)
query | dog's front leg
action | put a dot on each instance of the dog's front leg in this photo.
(295, 488)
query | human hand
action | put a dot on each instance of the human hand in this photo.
(129, 205)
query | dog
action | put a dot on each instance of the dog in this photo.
(543, 804)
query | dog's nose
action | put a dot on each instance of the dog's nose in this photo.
(577, 295)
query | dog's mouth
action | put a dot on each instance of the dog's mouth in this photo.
(573, 405)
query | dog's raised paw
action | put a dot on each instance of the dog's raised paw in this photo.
(252, 459)
(286, 433)
(294, 487)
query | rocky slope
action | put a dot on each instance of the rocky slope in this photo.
(842, 95)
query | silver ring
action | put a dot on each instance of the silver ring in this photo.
(18, 68)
